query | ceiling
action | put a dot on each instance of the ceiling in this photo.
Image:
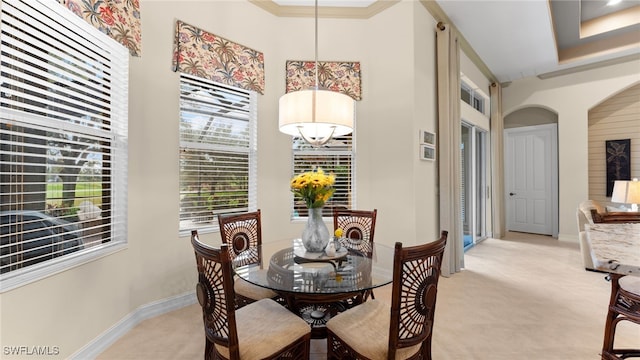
(516, 38)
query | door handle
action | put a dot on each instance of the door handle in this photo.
(511, 194)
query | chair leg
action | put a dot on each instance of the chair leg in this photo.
(609, 327)
(426, 349)
(622, 306)
(209, 352)
(609, 333)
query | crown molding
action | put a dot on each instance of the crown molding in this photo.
(325, 11)
(591, 66)
(366, 12)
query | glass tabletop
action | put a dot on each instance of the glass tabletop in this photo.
(287, 267)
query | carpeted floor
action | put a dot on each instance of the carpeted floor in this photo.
(524, 297)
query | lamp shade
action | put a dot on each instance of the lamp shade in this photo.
(625, 191)
(316, 114)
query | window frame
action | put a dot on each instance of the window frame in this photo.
(61, 19)
(251, 109)
(300, 147)
(476, 100)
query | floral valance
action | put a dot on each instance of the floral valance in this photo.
(338, 76)
(206, 55)
(120, 19)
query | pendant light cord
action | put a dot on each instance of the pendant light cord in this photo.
(316, 50)
(313, 101)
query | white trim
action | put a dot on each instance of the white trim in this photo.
(552, 130)
(198, 104)
(49, 32)
(21, 277)
(144, 312)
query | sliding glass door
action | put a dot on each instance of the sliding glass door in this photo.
(474, 168)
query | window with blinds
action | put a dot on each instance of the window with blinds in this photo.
(472, 97)
(337, 157)
(218, 152)
(63, 133)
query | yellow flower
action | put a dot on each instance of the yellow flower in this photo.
(338, 232)
(314, 187)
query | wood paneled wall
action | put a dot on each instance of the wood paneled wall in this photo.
(615, 118)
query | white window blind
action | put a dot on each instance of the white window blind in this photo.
(218, 152)
(337, 156)
(63, 133)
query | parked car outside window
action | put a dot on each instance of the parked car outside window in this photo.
(29, 237)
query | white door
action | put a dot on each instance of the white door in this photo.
(531, 179)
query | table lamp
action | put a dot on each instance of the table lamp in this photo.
(628, 192)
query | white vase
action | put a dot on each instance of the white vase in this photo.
(315, 236)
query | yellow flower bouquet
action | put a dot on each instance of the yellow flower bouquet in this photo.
(314, 187)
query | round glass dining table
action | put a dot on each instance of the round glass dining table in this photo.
(314, 285)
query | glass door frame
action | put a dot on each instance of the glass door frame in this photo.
(475, 190)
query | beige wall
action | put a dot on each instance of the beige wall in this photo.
(473, 74)
(571, 97)
(72, 308)
(396, 51)
(530, 116)
(615, 118)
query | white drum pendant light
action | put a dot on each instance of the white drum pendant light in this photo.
(316, 114)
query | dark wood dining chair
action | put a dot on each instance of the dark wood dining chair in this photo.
(243, 232)
(624, 305)
(358, 228)
(260, 330)
(376, 331)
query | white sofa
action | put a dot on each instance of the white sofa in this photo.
(583, 215)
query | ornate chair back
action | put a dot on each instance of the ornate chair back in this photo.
(416, 271)
(358, 228)
(402, 330)
(242, 232)
(217, 302)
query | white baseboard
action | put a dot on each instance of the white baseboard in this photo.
(144, 312)
(569, 237)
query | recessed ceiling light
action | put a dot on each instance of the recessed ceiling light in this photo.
(613, 2)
